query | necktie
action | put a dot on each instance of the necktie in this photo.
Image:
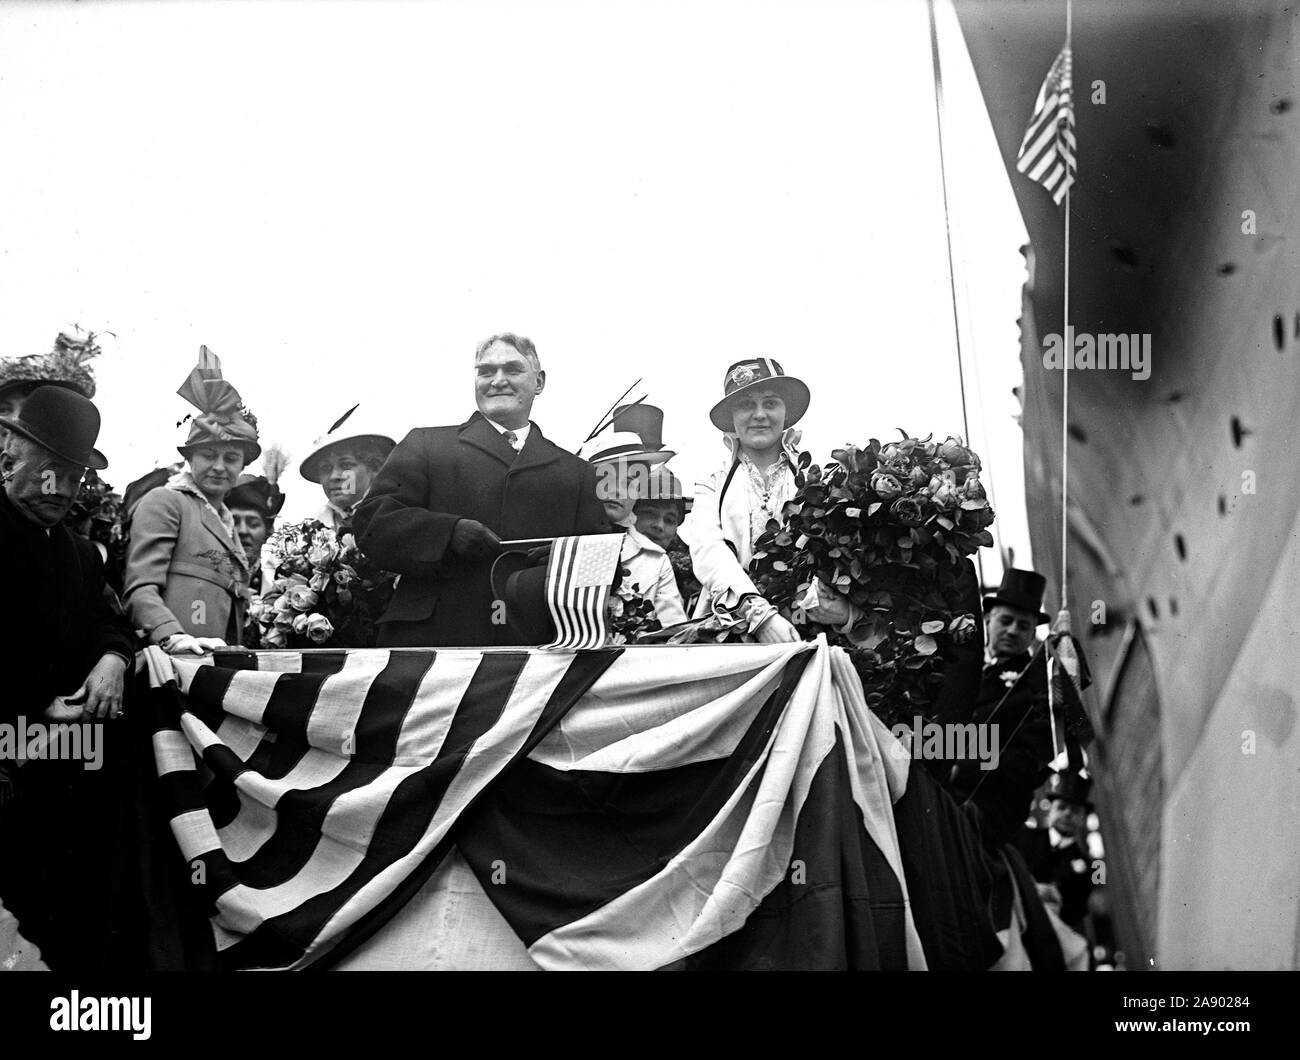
(513, 439)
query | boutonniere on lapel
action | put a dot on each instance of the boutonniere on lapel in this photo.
(1009, 677)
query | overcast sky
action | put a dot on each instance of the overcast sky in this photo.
(341, 199)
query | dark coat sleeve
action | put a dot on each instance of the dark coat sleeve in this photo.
(591, 517)
(394, 526)
(963, 663)
(109, 630)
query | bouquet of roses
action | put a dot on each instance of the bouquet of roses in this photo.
(325, 593)
(886, 529)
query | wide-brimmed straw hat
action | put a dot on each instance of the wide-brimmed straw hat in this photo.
(622, 447)
(760, 373)
(354, 438)
(61, 420)
(222, 419)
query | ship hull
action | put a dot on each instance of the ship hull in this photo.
(1184, 524)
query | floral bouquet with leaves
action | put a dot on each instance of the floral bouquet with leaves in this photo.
(325, 594)
(881, 537)
(629, 614)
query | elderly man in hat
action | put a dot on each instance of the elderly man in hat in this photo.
(68, 648)
(66, 365)
(1012, 696)
(440, 507)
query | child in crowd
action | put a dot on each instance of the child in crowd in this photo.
(623, 473)
(658, 515)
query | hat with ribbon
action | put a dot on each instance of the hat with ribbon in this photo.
(331, 441)
(62, 421)
(258, 493)
(67, 365)
(623, 447)
(1021, 589)
(760, 373)
(222, 418)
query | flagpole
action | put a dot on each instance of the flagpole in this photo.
(1069, 352)
(947, 225)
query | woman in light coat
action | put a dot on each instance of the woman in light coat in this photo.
(733, 506)
(186, 572)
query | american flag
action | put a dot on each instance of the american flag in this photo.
(1047, 151)
(578, 580)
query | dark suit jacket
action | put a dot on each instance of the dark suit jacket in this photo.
(438, 475)
(65, 854)
(1003, 795)
(59, 615)
(1068, 867)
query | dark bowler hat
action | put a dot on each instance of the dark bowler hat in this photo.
(1069, 787)
(62, 421)
(641, 419)
(1021, 589)
(765, 373)
(519, 582)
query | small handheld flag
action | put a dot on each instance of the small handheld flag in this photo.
(1047, 151)
(578, 580)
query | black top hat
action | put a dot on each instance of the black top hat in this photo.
(519, 580)
(1069, 787)
(768, 374)
(641, 419)
(1021, 589)
(258, 493)
(62, 421)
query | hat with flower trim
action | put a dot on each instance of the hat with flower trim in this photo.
(67, 365)
(760, 373)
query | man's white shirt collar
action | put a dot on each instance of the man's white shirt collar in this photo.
(1058, 839)
(521, 433)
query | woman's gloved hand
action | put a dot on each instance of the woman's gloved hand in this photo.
(824, 605)
(183, 644)
(766, 624)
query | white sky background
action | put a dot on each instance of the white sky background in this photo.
(342, 199)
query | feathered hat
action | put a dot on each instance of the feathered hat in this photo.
(67, 365)
(222, 419)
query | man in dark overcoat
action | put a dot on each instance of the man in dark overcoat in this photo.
(1013, 696)
(447, 496)
(66, 650)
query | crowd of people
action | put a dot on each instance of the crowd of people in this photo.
(436, 509)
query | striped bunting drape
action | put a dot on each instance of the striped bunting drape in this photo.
(687, 807)
(303, 789)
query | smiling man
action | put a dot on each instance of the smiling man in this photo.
(1012, 696)
(447, 496)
